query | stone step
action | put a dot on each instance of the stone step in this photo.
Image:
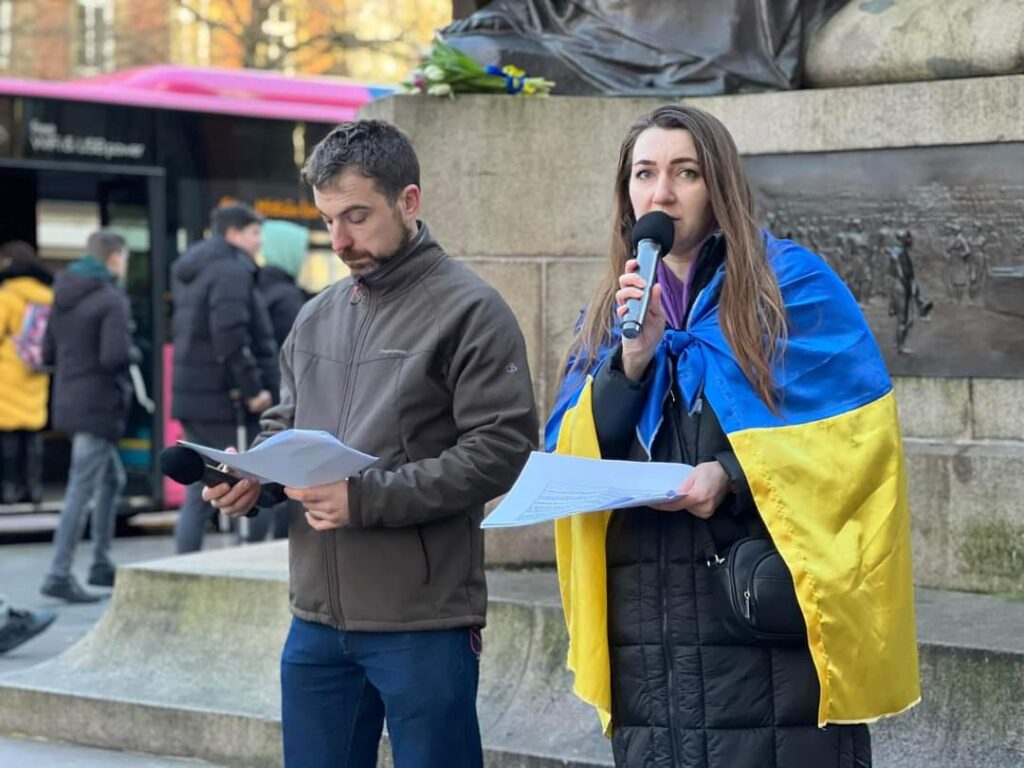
(185, 662)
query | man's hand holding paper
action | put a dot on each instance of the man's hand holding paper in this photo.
(234, 500)
(312, 465)
(326, 506)
(295, 458)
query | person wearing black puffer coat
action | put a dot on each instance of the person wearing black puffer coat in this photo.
(652, 643)
(225, 355)
(88, 343)
(727, 705)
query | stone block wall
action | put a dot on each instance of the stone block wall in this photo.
(964, 442)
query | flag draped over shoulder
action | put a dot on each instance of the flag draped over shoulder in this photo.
(826, 471)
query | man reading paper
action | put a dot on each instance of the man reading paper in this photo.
(416, 360)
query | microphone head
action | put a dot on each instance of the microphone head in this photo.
(657, 226)
(183, 465)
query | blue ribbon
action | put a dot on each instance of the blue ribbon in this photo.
(513, 84)
(687, 351)
(690, 363)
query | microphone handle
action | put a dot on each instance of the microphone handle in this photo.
(213, 476)
(647, 254)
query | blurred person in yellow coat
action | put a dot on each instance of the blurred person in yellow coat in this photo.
(25, 300)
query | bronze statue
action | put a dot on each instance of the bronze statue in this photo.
(646, 47)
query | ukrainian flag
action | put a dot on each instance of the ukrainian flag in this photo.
(826, 471)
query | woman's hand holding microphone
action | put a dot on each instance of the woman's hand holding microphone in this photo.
(637, 353)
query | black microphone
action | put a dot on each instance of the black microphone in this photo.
(186, 466)
(653, 236)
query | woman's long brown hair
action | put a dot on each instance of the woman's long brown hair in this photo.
(752, 315)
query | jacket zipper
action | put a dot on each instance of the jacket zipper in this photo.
(365, 297)
(326, 546)
(665, 645)
(359, 295)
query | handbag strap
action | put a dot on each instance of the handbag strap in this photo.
(714, 550)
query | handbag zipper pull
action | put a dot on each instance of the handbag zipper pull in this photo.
(746, 603)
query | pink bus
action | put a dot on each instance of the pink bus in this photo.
(150, 152)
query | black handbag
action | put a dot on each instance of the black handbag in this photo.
(755, 592)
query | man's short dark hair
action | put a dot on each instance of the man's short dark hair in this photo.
(236, 216)
(375, 149)
(104, 243)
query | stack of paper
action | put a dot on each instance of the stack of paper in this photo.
(297, 458)
(553, 486)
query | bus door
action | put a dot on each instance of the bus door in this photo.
(58, 204)
(133, 206)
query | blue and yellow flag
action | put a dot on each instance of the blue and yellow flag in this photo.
(826, 472)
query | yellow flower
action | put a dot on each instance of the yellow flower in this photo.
(529, 89)
(512, 71)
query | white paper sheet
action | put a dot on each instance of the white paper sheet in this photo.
(553, 486)
(297, 458)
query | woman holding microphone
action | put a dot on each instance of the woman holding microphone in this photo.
(755, 367)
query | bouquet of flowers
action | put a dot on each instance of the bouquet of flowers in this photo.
(446, 71)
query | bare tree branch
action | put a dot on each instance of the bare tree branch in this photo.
(268, 51)
(204, 19)
(237, 14)
(345, 39)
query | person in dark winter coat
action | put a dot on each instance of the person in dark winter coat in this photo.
(225, 355)
(88, 344)
(684, 691)
(283, 252)
(415, 360)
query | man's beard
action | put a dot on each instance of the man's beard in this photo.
(370, 263)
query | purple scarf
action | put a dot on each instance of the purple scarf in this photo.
(675, 293)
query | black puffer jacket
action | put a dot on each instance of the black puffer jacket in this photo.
(221, 330)
(284, 300)
(684, 693)
(88, 343)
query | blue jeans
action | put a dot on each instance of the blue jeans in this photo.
(96, 475)
(338, 687)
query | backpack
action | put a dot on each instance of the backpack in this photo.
(28, 342)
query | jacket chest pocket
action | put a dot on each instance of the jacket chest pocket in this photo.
(372, 419)
(319, 390)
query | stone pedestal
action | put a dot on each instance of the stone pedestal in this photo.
(892, 41)
(520, 189)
